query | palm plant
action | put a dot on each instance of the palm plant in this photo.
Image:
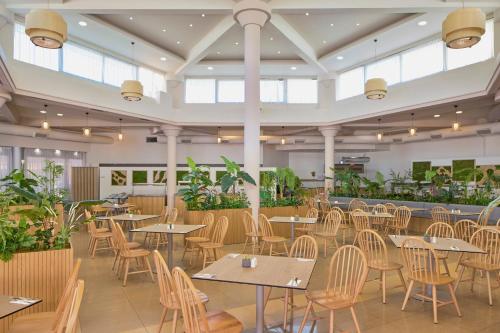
(233, 176)
(198, 185)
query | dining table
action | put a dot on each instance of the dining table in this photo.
(293, 220)
(269, 271)
(12, 304)
(129, 220)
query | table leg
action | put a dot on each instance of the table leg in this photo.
(129, 227)
(170, 251)
(259, 328)
(292, 231)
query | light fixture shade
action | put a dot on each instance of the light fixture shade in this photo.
(380, 136)
(86, 131)
(283, 141)
(413, 131)
(45, 125)
(132, 90)
(375, 88)
(456, 126)
(46, 28)
(120, 136)
(463, 28)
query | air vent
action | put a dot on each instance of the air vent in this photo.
(355, 160)
(485, 131)
(339, 141)
(185, 140)
(397, 140)
(151, 139)
(225, 141)
(300, 141)
(436, 136)
(40, 135)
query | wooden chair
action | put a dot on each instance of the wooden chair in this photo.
(161, 238)
(126, 255)
(402, 217)
(440, 214)
(347, 274)
(422, 264)
(464, 229)
(489, 241)
(306, 228)
(217, 241)
(361, 222)
(252, 233)
(391, 208)
(269, 238)
(196, 318)
(329, 231)
(168, 293)
(375, 250)
(379, 223)
(344, 226)
(116, 242)
(98, 237)
(149, 237)
(324, 208)
(442, 230)
(304, 247)
(198, 237)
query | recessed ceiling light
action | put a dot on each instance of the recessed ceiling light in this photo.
(271, 38)
(219, 52)
(236, 43)
(60, 114)
(459, 112)
(279, 52)
(163, 59)
(293, 68)
(131, 18)
(43, 111)
(331, 24)
(324, 42)
(57, 152)
(178, 42)
(358, 24)
(422, 23)
(210, 68)
(82, 24)
(340, 57)
(437, 115)
(307, 14)
(203, 15)
(190, 25)
(164, 29)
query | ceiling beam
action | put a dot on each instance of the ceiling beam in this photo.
(61, 122)
(304, 49)
(200, 50)
(10, 114)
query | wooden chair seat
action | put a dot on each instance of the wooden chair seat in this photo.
(325, 234)
(384, 265)
(253, 234)
(197, 239)
(136, 253)
(436, 279)
(273, 239)
(175, 305)
(210, 245)
(479, 265)
(133, 245)
(31, 326)
(106, 234)
(221, 321)
(329, 300)
(102, 230)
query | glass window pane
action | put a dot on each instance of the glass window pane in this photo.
(25, 50)
(422, 61)
(5, 161)
(272, 91)
(231, 91)
(200, 91)
(479, 52)
(152, 82)
(388, 68)
(302, 91)
(82, 62)
(350, 83)
(116, 71)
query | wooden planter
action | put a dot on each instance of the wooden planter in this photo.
(41, 274)
(59, 220)
(236, 231)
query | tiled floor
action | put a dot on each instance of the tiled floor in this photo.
(108, 307)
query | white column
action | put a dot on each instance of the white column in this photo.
(171, 132)
(252, 15)
(16, 156)
(329, 132)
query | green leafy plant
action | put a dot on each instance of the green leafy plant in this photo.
(350, 181)
(198, 186)
(233, 176)
(375, 187)
(63, 237)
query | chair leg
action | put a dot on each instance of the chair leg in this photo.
(324, 248)
(434, 304)
(125, 273)
(458, 262)
(306, 315)
(403, 282)
(286, 249)
(460, 275)
(332, 321)
(472, 279)
(262, 247)
(245, 246)
(454, 299)
(174, 320)
(148, 265)
(270, 249)
(162, 319)
(355, 319)
(488, 280)
(285, 310)
(407, 296)
(446, 267)
(204, 258)
(383, 287)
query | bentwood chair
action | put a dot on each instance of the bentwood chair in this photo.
(361, 222)
(216, 243)
(168, 294)
(344, 222)
(307, 228)
(161, 238)
(391, 208)
(329, 230)
(268, 237)
(399, 222)
(440, 214)
(464, 229)
(149, 237)
(198, 237)
(116, 242)
(347, 274)
(489, 262)
(324, 208)
(304, 247)
(442, 230)
(140, 256)
(97, 238)
(375, 250)
(252, 233)
(422, 265)
(196, 318)
(378, 223)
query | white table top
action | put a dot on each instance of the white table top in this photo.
(116, 206)
(7, 308)
(270, 271)
(441, 244)
(464, 213)
(288, 219)
(128, 217)
(164, 228)
(383, 215)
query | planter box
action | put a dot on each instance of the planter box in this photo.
(59, 219)
(41, 274)
(236, 230)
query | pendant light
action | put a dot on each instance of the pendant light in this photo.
(412, 129)
(45, 123)
(463, 27)
(219, 138)
(456, 125)
(87, 130)
(46, 28)
(283, 141)
(120, 134)
(380, 134)
(375, 88)
(132, 90)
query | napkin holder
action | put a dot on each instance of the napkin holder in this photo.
(247, 262)
(296, 218)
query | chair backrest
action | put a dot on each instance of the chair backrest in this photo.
(347, 273)
(440, 214)
(67, 293)
(311, 202)
(265, 226)
(69, 322)
(122, 241)
(332, 222)
(92, 227)
(164, 214)
(379, 208)
(420, 260)
(168, 294)
(484, 217)
(498, 223)
(312, 213)
(402, 217)
(373, 246)
(353, 204)
(172, 215)
(440, 229)
(304, 247)
(249, 224)
(361, 205)
(208, 220)
(489, 241)
(464, 229)
(193, 311)
(220, 230)
(391, 208)
(360, 220)
(114, 234)
(324, 206)
(88, 215)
